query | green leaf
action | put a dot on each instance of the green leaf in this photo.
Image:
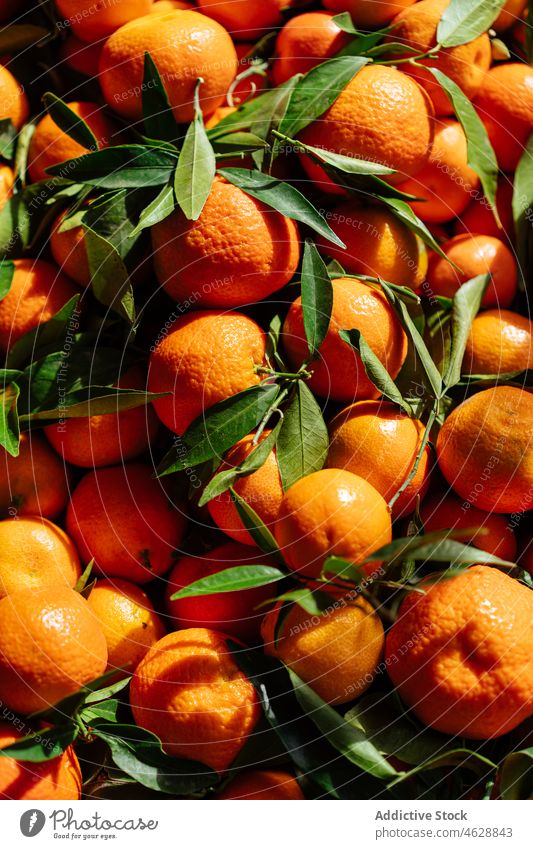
(69, 122)
(225, 479)
(462, 758)
(466, 304)
(158, 118)
(15, 37)
(83, 580)
(313, 601)
(96, 401)
(255, 526)
(8, 137)
(219, 428)
(303, 441)
(430, 369)
(229, 580)
(464, 20)
(316, 92)
(114, 215)
(15, 225)
(352, 743)
(346, 164)
(196, 166)
(100, 695)
(345, 23)
(7, 270)
(48, 335)
(251, 115)
(160, 208)
(317, 298)
(110, 280)
(240, 142)
(374, 368)
(436, 547)
(272, 115)
(522, 206)
(516, 775)
(282, 197)
(104, 710)
(42, 746)
(481, 156)
(9, 422)
(120, 167)
(139, 753)
(405, 214)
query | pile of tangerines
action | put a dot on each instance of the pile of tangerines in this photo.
(266, 454)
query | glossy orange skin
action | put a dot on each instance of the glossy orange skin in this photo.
(262, 490)
(239, 250)
(13, 101)
(440, 511)
(383, 116)
(500, 341)
(103, 440)
(485, 449)
(92, 23)
(262, 784)
(447, 183)
(35, 483)
(190, 692)
(245, 19)
(33, 553)
(475, 254)
(465, 64)
(304, 42)
(331, 512)
(7, 181)
(69, 251)
(205, 357)
(368, 13)
(377, 244)
(59, 778)
(172, 39)
(50, 645)
(505, 105)
(38, 291)
(129, 622)
(50, 145)
(338, 372)
(479, 218)
(375, 440)
(235, 613)
(468, 668)
(122, 517)
(336, 654)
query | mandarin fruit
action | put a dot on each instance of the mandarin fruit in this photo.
(33, 553)
(38, 291)
(383, 116)
(441, 511)
(184, 46)
(7, 181)
(92, 21)
(339, 373)
(331, 513)
(128, 619)
(238, 251)
(511, 12)
(447, 183)
(500, 341)
(235, 613)
(190, 692)
(465, 64)
(474, 255)
(58, 778)
(304, 42)
(262, 490)
(505, 105)
(468, 668)
(336, 653)
(485, 449)
(121, 517)
(375, 440)
(245, 19)
(14, 104)
(478, 217)
(50, 645)
(50, 145)
(35, 483)
(262, 784)
(205, 357)
(368, 13)
(69, 250)
(377, 245)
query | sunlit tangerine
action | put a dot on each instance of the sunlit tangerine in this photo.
(58, 778)
(189, 691)
(121, 517)
(338, 372)
(499, 342)
(35, 483)
(94, 21)
(469, 671)
(262, 784)
(205, 357)
(331, 512)
(184, 46)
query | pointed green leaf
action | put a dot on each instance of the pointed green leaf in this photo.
(374, 368)
(42, 746)
(69, 121)
(466, 304)
(9, 422)
(120, 167)
(522, 206)
(110, 280)
(464, 20)
(255, 526)
(158, 119)
(160, 208)
(516, 775)
(196, 167)
(303, 441)
(7, 270)
(8, 137)
(230, 580)
(317, 298)
(405, 214)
